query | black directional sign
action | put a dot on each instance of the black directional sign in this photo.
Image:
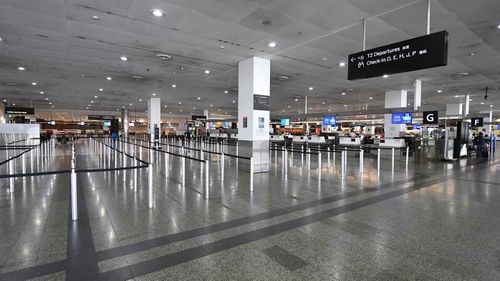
(476, 122)
(430, 117)
(260, 102)
(409, 55)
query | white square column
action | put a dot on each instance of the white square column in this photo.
(154, 117)
(254, 78)
(394, 99)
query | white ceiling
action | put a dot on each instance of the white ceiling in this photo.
(69, 55)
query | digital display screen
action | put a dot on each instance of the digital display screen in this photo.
(107, 124)
(402, 118)
(285, 122)
(226, 124)
(329, 120)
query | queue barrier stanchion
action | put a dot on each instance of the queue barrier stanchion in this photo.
(378, 160)
(183, 163)
(407, 155)
(319, 165)
(150, 186)
(222, 167)
(206, 190)
(251, 174)
(11, 172)
(74, 196)
(392, 149)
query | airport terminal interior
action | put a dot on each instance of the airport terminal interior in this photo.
(249, 140)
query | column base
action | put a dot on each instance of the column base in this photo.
(259, 150)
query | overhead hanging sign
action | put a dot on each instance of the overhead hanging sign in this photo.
(20, 110)
(329, 120)
(477, 122)
(100, 117)
(430, 117)
(409, 55)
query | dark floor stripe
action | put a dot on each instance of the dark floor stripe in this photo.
(479, 181)
(285, 258)
(204, 230)
(81, 255)
(187, 255)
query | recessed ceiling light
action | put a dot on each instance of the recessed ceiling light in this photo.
(457, 96)
(324, 59)
(385, 76)
(370, 98)
(498, 26)
(211, 105)
(13, 104)
(163, 57)
(140, 99)
(95, 97)
(472, 54)
(194, 108)
(180, 102)
(123, 58)
(41, 93)
(296, 99)
(272, 44)
(4, 100)
(33, 83)
(157, 13)
(154, 94)
(53, 106)
(165, 106)
(94, 17)
(222, 46)
(323, 102)
(482, 103)
(1, 39)
(311, 88)
(46, 98)
(180, 110)
(226, 91)
(343, 93)
(21, 68)
(130, 104)
(440, 91)
(174, 86)
(198, 98)
(234, 101)
(207, 71)
(91, 101)
(101, 89)
(491, 105)
(108, 78)
(50, 102)
(341, 64)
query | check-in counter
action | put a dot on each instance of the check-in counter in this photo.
(299, 139)
(316, 140)
(277, 138)
(349, 141)
(392, 143)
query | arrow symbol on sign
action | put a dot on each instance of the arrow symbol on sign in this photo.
(353, 59)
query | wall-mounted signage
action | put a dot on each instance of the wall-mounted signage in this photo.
(285, 122)
(476, 122)
(329, 120)
(100, 117)
(430, 117)
(409, 55)
(245, 122)
(107, 124)
(19, 110)
(226, 124)
(260, 102)
(402, 118)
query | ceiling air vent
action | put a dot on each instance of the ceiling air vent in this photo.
(163, 57)
(137, 77)
(283, 78)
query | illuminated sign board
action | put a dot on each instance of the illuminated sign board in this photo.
(285, 122)
(402, 118)
(329, 120)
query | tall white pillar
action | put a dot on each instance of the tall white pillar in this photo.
(154, 117)
(394, 99)
(254, 88)
(125, 121)
(467, 102)
(418, 95)
(206, 113)
(305, 106)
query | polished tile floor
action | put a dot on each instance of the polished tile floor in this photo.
(432, 221)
